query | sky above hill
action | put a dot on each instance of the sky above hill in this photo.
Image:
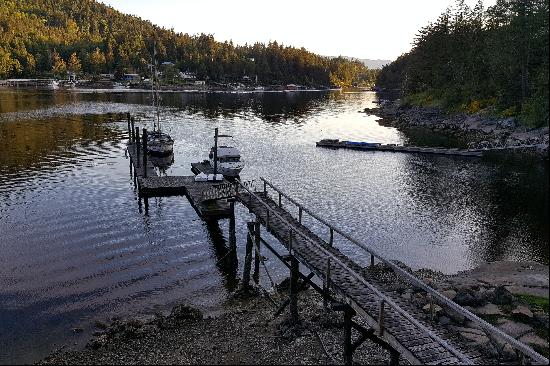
(358, 28)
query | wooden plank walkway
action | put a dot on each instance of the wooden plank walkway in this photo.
(336, 144)
(151, 185)
(403, 325)
(417, 346)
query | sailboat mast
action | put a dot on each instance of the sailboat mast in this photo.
(153, 95)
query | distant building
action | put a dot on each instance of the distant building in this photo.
(200, 82)
(187, 75)
(131, 78)
(106, 76)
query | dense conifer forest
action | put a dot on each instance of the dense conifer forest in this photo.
(53, 37)
(475, 59)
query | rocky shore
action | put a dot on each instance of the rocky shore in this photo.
(512, 296)
(479, 129)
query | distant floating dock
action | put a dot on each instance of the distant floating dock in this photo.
(337, 144)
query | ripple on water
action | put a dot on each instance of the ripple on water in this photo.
(76, 247)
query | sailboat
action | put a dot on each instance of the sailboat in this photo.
(158, 142)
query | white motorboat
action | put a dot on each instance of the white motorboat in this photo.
(225, 160)
(158, 142)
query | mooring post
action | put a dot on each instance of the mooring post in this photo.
(146, 204)
(144, 152)
(248, 255)
(331, 238)
(293, 289)
(232, 233)
(138, 147)
(133, 131)
(280, 199)
(348, 350)
(326, 285)
(257, 257)
(371, 261)
(381, 319)
(129, 126)
(300, 214)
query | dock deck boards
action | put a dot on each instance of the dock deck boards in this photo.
(398, 148)
(413, 344)
(154, 186)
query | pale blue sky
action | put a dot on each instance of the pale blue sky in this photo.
(381, 29)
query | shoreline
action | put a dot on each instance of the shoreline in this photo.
(479, 130)
(511, 295)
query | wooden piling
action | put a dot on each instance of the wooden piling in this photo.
(348, 349)
(138, 146)
(381, 318)
(145, 152)
(129, 126)
(133, 131)
(293, 289)
(326, 285)
(248, 255)
(257, 257)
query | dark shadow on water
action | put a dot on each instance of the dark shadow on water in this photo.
(225, 252)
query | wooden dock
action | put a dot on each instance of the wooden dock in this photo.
(202, 167)
(337, 144)
(405, 328)
(393, 322)
(149, 184)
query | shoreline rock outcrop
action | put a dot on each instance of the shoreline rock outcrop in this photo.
(480, 130)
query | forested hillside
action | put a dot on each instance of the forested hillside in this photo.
(51, 37)
(472, 59)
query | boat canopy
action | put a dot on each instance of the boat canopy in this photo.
(227, 151)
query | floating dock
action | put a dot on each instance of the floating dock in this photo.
(200, 194)
(337, 144)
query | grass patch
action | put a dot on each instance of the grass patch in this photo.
(536, 302)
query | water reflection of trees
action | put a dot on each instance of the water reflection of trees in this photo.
(504, 196)
(27, 143)
(268, 106)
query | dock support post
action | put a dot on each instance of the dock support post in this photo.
(381, 319)
(144, 152)
(138, 146)
(280, 199)
(331, 238)
(129, 126)
(248, 255)
(371, 261)
(133, 133)
(300, 215)
(146, 204)
(293, 289)
(348, 348)
(326, 285)
(257, 258)
(232, 234)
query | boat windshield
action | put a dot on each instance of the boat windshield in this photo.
(229, 159)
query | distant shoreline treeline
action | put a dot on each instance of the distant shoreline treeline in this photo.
(472, 59)
(52, 37)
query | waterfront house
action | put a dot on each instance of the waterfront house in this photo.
(131, 78)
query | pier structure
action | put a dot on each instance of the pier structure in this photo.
(393, 322)
(372, 309)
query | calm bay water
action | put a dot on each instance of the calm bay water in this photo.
(75, 248)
